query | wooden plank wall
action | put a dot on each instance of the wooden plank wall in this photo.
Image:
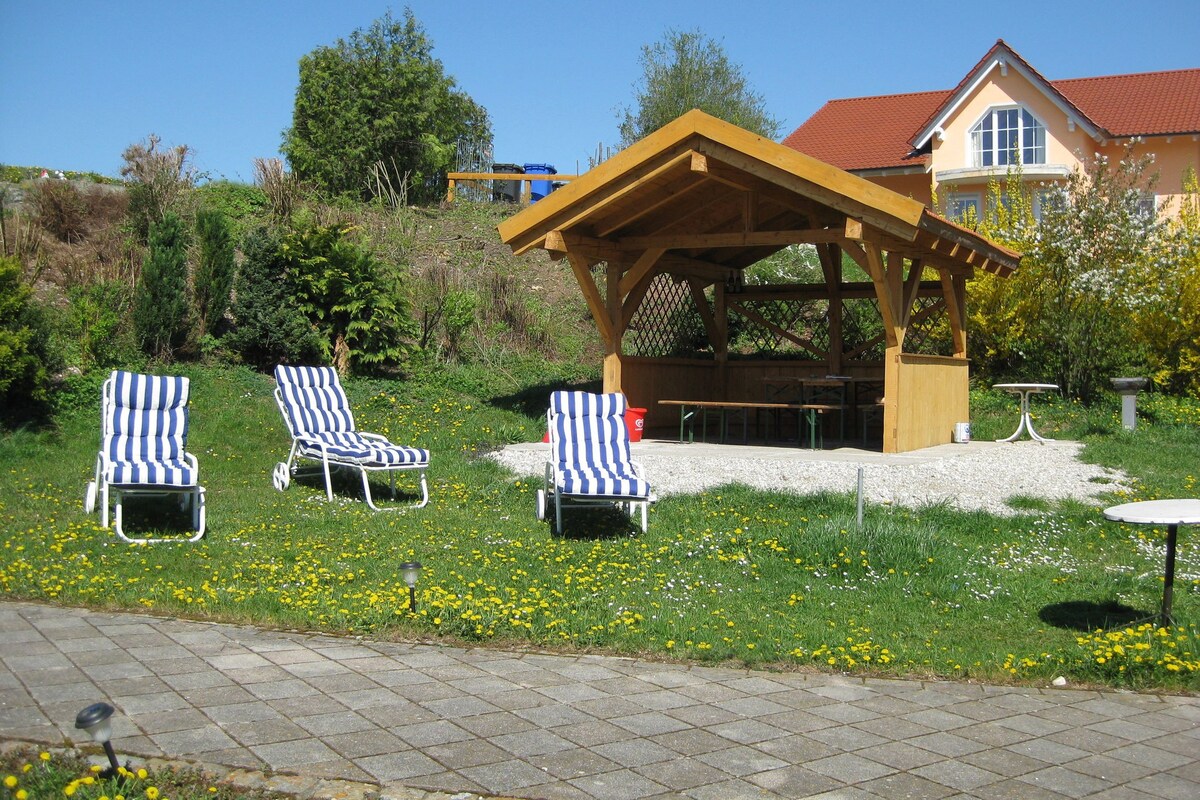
(930, 394)
(645, 381)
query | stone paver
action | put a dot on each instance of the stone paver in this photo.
(326, 717)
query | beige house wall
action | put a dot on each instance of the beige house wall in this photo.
(1068, 146)
(1173, 157)
(914, 185)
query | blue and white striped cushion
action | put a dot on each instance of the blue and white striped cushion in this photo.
(314, 400)
(602, 482)
(145, 430)
(350, 446)
(159, 473)
(592, 445)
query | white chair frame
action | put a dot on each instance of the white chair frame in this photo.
(285, 471)
(552, 493)
(112, 494)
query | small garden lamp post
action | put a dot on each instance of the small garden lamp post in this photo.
(410, 571)
(96, 719)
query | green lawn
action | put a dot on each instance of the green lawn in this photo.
(727, 575)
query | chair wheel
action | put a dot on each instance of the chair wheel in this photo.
(89, 498)
(281, 477)
(541, 504)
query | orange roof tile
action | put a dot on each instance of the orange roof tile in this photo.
(866, 132)
(1146, 104)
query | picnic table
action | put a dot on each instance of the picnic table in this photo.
(810, 412)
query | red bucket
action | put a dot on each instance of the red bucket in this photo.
(635, 421)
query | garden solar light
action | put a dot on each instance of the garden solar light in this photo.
(96, 719)
(411, 570)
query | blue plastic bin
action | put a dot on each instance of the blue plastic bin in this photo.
(539, 189)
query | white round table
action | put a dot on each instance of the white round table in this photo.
(1026, 423)
(1171, 513)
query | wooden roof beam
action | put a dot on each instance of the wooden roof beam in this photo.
(829, 197)
(702, 241)
(654, 177)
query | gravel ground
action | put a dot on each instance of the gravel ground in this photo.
(975, 476)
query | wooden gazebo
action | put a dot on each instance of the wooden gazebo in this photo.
(663, 231)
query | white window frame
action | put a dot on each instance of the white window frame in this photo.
(957, 202)
(1000, 158)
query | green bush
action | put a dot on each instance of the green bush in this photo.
(349, 298)
(268, 327)
(215, 267)
(25, 355)
(95, 327)
(160, 300)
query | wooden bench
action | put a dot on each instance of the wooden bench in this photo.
(810, 411)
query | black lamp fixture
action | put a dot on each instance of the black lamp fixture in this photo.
(96, 719)
(410, 571)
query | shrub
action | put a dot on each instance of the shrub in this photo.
(25, 355)
(60, 209)
(215, 266)
(158, 180)
(348, 297)
(160, 300)
(268, 327)
(95, 326)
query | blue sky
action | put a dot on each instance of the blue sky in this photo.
(81, 80)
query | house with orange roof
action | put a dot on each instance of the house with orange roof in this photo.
(949, 144)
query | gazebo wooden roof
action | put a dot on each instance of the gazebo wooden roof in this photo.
(701, 199)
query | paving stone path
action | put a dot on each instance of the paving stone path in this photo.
(422, 721)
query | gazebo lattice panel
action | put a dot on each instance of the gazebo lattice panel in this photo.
(862, 330)
(760, 331)
(667, 323)
(929, 328)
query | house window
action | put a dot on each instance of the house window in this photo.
(1008, 136)
(1147, 205)
(964, 207)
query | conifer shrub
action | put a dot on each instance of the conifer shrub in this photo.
(160, 300)
(215, 267)
(268, 327)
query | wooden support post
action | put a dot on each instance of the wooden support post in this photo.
(831, 265)
(888, 301)
(891, 398)
(954, 289)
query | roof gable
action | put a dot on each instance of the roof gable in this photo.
(1003, 58)
(891, 131)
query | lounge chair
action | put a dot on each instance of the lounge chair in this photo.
(318, 416)
(143, 448)
(590, 458)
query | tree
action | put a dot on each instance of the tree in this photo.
(349, 298)
(269, 328)
(689, 70)
(160, 301)
(1094, 266)
(158, 180)
(379, 98)
(25, 357)
(215, 265)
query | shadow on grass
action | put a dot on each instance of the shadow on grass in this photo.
(593, 523)
(534, 400)
(347, 485)
(155, 517)
(1085, 615)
